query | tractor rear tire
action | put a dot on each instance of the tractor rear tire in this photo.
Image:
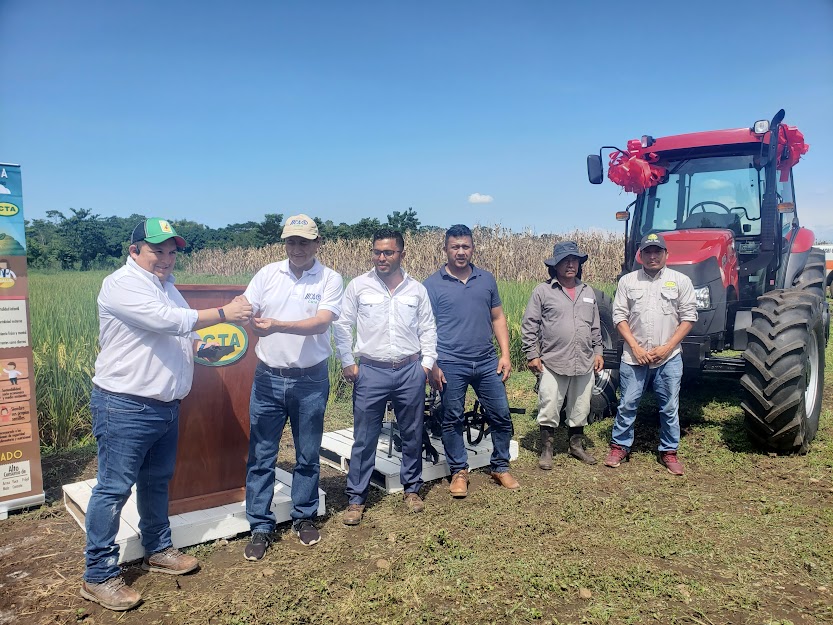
(603, 402)
(811, 279)
(784, 370)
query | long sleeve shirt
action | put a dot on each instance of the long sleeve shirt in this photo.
(654, 308)
(389, 326)
(564, 333)
(146, 336)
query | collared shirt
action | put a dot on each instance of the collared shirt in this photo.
(389, 326)
(564, 333)
(146, 336)
(276, 293)
(653, 308)
(463, 312)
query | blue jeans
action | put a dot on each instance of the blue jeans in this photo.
(275, 399)
(136, 445)
(405, 389)
(488, 386)
(633, 380)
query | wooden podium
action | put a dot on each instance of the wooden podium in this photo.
(214, 417)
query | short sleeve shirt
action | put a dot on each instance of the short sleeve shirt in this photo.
(276, 293)
(464, 314)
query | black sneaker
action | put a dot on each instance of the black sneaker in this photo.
(258, 544)
(306, 532)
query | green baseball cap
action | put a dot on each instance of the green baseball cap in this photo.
(155, 230)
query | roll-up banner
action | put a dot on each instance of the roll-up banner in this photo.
(21, 478)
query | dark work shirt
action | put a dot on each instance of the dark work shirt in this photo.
(464, 314)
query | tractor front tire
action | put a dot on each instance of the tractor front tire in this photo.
(811, 279)
(784, 370)
(603, 402)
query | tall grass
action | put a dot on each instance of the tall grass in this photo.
(64, 345)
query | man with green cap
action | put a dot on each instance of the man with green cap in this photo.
(144, 369)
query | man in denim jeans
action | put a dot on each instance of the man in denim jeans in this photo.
(144, 369)
(654, 308)
(469, 312)
(294, 302)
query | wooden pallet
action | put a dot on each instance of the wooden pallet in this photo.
(189, 528)
(336, 447)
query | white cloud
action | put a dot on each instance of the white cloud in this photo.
(479, 198)
(4, 190)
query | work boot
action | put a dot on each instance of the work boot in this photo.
(353, 514)
(616, 456)
(545, 461)
(413, 502)
(112, 594)
(671, 462)
(506, 480)
(459, 486)
(577, 446)
(171, 561)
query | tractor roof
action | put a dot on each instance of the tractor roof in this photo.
(706, 139)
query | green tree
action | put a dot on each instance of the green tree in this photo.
(404, 222)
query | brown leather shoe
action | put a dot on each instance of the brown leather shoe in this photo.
(171, 561)
(414, 502)
(459, 486)
(112, 594)
(506, 480)
(353, 514)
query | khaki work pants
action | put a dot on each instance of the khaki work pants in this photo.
(554, 389)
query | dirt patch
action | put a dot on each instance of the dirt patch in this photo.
(743, 537)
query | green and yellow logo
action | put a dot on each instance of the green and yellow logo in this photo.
(8, 209)
(226, 335)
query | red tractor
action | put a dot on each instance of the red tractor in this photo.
(725, 203)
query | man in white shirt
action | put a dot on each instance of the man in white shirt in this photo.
(396, 343)
(144, 369)
(294, 302)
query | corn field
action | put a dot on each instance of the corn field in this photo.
(511, 256)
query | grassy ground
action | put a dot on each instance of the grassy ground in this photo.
(744, 537)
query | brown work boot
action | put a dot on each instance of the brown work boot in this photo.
(112, 594)
(353, 514)
(545, 461)
(506, 480)
(577, 446)
(171, 561)
(414, 502)
(459, 486)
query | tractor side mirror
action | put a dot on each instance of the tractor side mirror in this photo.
(594, 169)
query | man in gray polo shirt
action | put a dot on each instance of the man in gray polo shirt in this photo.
(653, 310)
(562, 340)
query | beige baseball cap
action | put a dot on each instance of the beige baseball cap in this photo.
(300, 226)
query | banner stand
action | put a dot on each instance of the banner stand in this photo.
(21, 476)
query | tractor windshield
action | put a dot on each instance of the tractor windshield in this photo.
(715, 192)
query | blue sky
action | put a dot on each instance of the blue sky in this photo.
(221, 112)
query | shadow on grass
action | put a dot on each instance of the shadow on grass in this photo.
(705, 403)
(66, 467)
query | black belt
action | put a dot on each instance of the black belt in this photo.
(389, 364)
(294, 372)
(137, 399)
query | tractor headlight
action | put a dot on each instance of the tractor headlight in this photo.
(703, 297)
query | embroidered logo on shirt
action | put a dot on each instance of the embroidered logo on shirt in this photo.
(670, 284)
(310, 298)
